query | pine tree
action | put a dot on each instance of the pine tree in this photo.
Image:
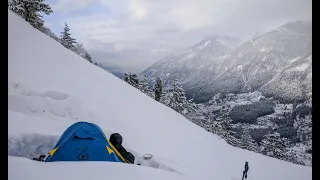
(222, 127)
(125, 77)
(175, 98)
(158, 89)
(192, 107)
(297, 154)
(304, 131)
(196, 114)
(247, 142)
(144, 86)
(88, 57)
(134, 81)
(273, 145)
(78, 48)
(225, 119)
(131, 79)
(66, 39)
(30, 10)
(218, 129)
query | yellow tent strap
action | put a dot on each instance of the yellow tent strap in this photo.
(53, 151)
(109, 150)
(116, 151)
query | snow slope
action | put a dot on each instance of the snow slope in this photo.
(51, 87)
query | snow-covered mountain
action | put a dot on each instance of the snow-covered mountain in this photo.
(50, 88)
(293, 82)
(257, 61)
(249, 66)
(191, 64)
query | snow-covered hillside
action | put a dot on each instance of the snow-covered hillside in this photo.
(50, 88)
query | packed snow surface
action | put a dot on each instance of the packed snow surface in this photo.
(50, 88)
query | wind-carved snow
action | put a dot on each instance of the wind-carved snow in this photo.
(41, 103)
(31, 145)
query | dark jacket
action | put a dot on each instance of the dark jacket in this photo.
(116, 141)
(246, 167)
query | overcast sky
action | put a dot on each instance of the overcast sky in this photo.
(133, 34)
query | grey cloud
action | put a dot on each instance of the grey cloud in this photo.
(139, 32)
(167, 30)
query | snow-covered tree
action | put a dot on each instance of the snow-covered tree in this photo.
(88, 57)
(225, 119)
(225, 122)
(157, 89)
(131, 79)
(247, 142)
(66, 39)
(218, 128)
(192, 107)
(175, 98)
(30, 10)
(297, 154)
(304, 131)
(197, 116)
(303, 124)
(273, 145)
(79, 49)
(144, 86)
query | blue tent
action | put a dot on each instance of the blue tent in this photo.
(84, 141)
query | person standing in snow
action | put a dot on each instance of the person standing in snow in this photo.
(246, 168)
(116, 141)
